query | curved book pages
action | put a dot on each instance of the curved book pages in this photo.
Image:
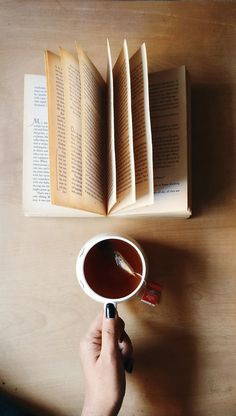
(96, 148)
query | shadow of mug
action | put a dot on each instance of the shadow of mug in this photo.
(165, 348)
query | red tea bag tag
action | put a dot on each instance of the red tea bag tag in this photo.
(152, 293)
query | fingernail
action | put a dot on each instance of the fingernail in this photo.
(129, 365)
(110, 311)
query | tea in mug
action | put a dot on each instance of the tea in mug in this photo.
(111, 278)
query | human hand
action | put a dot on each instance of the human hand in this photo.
(106, 352)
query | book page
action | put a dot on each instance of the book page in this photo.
(36, 177)
(73, 139)
(168, 101)
(169, 120)
(82, 174)
(94, 134)
(142, 137)
(56, 121)
(111, 161)
(76, 149)
(123, 132)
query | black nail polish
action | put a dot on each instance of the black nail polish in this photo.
(110, 311)
(129, 365)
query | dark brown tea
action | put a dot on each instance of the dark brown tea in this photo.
(105, 276)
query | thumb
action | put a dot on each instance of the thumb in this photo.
(110, 330)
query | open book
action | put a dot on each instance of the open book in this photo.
(95, 148)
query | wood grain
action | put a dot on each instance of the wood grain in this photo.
(184, 349)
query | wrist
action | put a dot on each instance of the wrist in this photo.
(96, 408)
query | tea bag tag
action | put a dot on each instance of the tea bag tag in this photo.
(152, 293)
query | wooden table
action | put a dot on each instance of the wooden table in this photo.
(185, 352)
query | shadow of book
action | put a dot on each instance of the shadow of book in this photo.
(213, 168)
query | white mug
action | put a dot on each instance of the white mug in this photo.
(80, 272)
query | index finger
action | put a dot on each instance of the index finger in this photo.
(90, 345)
(95, 328)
